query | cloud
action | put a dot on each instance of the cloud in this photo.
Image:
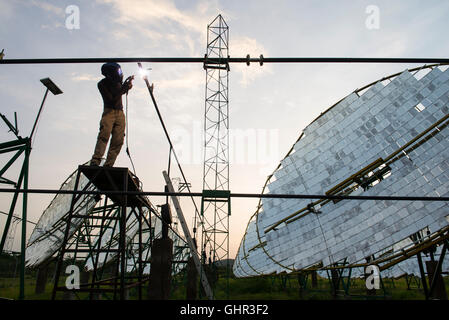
(84, 77)
(52, 26)
(163, 27)
(155, 12)
(48, 7)
(163, 24)
(190, 79)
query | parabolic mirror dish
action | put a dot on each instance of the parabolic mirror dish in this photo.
(389, 140)
(48, 234)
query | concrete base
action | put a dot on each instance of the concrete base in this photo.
(127, 294)
(301, 283)
(41, 279)
(334, 280)
(314, 279)
(160, 272)
(212, 277)
(440, 291)
(84, 277)
(192, 280)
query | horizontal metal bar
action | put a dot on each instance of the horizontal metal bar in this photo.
(135, 284)
(13, 143)
(86, 289)
(232, 195)
(90, 250)
(225, 60)
(215, 200)
(94, 217)
(7, 150)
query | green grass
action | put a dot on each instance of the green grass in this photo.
(258, 288)
(10, 289)
(272, 288)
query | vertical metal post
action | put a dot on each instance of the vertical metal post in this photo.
(66, 236)
(346, 285)
(123, 239)
(190, 242)
(384, 289)
(24, 221)
(437, 272)
(118, 223)
(140, 264)
(423, 275)
(97, 256)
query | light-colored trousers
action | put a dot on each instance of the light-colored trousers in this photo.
(112, 125)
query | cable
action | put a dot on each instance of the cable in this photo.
(18, 218)
(126, 135)
(324, 238)
(150, 90)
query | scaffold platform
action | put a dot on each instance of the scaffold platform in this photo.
(116, 179)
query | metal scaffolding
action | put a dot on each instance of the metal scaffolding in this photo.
(19, 146)
(215, 202)
(116, 217)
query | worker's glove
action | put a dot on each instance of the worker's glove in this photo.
(128, 83)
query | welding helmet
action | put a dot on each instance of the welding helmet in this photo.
(112, 71)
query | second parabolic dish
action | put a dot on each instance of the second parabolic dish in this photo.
(392, 140)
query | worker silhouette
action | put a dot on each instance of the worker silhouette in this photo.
(113, 120)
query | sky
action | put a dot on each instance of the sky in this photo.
(269, 105)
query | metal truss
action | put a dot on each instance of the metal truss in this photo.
(114, 240)
(215, 204)
(17, 147)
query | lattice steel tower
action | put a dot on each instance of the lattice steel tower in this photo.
(215, 204)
